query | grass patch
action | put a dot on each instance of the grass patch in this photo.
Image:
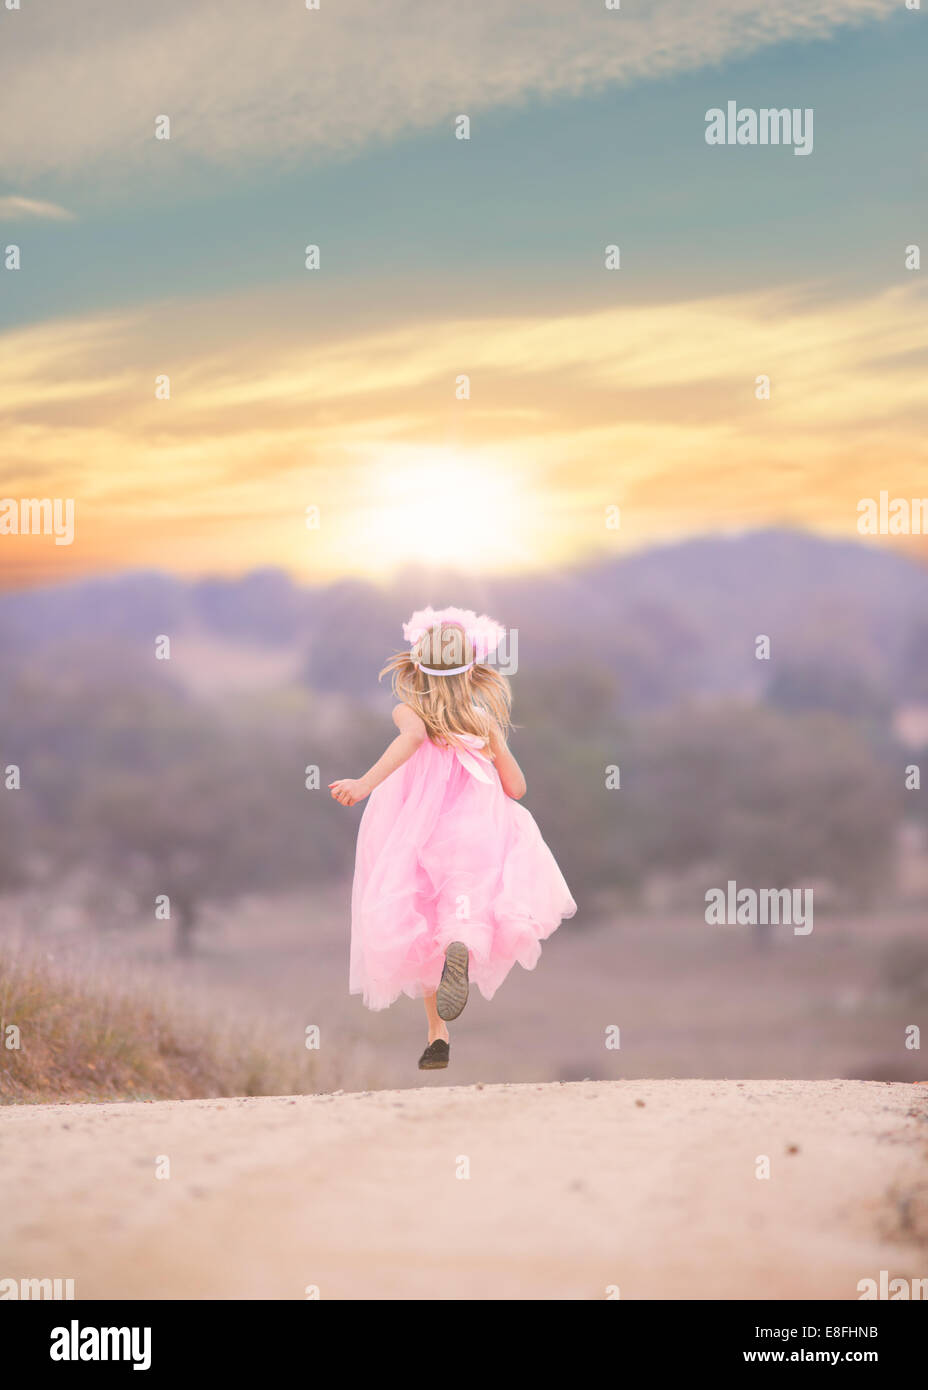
(67, 1036)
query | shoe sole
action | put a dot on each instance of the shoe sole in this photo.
(432, 1066)
(453, 990)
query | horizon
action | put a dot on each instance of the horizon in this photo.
(910, 550)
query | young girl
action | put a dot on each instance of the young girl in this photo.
(452, 878)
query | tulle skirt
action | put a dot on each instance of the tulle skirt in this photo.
(445, 855)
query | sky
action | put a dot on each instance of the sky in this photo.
(316, 419)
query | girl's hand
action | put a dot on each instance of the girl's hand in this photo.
(349, 790)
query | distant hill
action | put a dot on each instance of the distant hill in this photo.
(674, 621)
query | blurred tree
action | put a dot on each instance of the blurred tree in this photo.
(770, 799)
(128, 776)
(818, 683)
(125, 773)
(14, 807)
(915, 661)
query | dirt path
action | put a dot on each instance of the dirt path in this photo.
(573, 1188)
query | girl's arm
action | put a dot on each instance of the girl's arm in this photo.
(510, 773)
(348, 790)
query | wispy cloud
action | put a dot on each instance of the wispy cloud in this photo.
(243, 82)
(16, 209)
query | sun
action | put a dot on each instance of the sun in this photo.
(438, 507)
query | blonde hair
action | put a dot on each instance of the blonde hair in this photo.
(471, 702)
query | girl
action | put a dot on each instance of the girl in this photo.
(452, 878)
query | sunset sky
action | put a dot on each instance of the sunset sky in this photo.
(335, 389)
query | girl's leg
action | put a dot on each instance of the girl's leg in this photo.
(437, 1027)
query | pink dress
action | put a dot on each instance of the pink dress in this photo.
(445, 855)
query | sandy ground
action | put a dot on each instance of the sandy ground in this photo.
(572, 1189)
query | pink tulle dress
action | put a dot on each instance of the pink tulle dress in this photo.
(445, 855)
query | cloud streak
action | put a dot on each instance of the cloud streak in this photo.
(244, 82)
(16, 209)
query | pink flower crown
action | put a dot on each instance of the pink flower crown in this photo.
(483, 633)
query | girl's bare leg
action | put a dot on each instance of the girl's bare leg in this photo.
(437, 1026)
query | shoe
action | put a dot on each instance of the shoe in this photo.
(452, 992)
(435, 1056)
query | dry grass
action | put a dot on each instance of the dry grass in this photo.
(87, 1037)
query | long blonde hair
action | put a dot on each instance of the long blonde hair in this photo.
(471, 702)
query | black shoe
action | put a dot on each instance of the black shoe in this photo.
(435, 1056)
(452, 992)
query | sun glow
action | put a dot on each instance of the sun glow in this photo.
(441, 508)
